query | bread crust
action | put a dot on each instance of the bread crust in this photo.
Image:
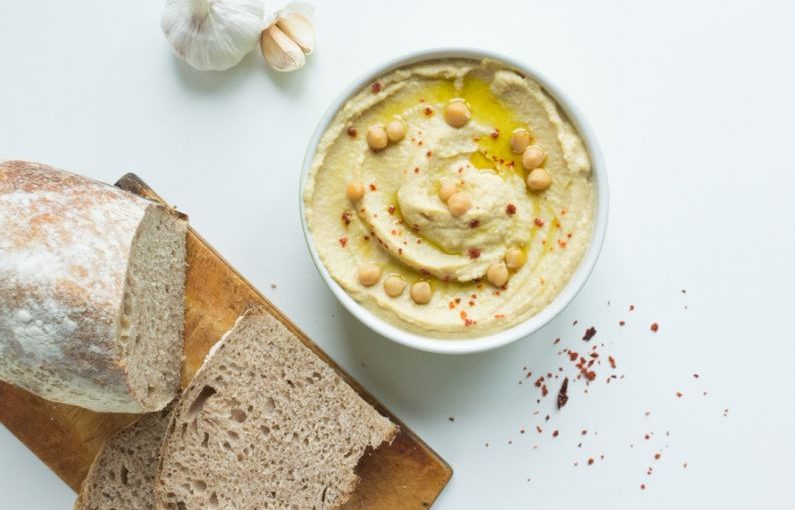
(65, 244)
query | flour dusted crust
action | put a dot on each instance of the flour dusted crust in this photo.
(65, 244)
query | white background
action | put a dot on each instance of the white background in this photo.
(693, 105)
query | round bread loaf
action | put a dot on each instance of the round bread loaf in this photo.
(91, 291)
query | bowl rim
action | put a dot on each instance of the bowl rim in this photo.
(518, 331)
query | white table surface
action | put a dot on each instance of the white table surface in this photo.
(693, 105)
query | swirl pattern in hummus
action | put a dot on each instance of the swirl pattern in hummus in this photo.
(401, 223)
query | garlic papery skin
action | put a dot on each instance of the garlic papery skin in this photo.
(281, 52)
(299, 29)
(212, 35)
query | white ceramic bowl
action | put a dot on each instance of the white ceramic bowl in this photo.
(521, 330)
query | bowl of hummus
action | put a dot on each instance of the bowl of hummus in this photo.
(454, 200)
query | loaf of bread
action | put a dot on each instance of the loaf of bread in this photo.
(265, 424)
(91, 291)
(122, 477)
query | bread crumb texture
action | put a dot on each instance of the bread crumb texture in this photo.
(266, 424)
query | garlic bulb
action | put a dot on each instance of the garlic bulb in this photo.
(288, 37)
(212, 34)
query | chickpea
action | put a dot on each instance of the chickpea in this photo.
(459, 203)
(497, 274)
(377, 138)
(532, 157)
(396, 130)
(457, 113)
(421, 292)
(538, 180)
(369, 274)
(394, 285)
(447, 188)
(355, 190)
(520, 140)
(514, 258)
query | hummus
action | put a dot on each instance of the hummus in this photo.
(402, 225)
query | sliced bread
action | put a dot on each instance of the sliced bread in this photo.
(91, 291)
(265, 424)
(122, 476)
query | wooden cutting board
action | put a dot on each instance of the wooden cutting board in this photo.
(404, 475)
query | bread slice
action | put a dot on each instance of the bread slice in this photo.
(122, 476)
(265, 424)
(91, 291)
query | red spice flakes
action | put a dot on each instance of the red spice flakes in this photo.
(622, 323)
(589, 333)
(346, 217)
(352, 132)
(643, 486)
(696, 376)
(391, 209)
(590, 460)
(556, 342)
(373, 187)
(499, 316)
(646, 436)
(494, 134)
(539, 382)
(631, 308)
(451, 305)
(655, 327)
(539, 429)
(563, 393)
(538, 222)
(428, 111)
(589, 374)
(474, 223)
(612, 362)
(375, 87)
(429, 153)
(467, 321)
(521, 431)
(573, 355)
(416, 169)
(343, 241)
(555, 434)
(657, 456)
(510, 209)
(583, 432)
(544, 391)
(561, 243)
(474, 253)
(678, 394)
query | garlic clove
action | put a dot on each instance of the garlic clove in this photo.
(299, 29)
(281, 52)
